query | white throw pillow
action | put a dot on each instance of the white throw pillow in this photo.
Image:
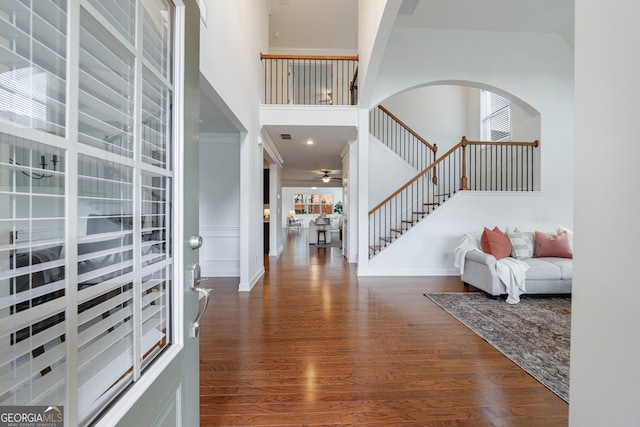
(522, 244)
(562, 228)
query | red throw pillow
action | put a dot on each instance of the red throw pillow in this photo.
(495, 242)
(553, 246)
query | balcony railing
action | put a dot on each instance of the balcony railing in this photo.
(310, 80)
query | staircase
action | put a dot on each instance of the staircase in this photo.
(469, 165)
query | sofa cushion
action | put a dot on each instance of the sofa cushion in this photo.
(564, 264)
(553, 246)
(496, 243)
(543, 269)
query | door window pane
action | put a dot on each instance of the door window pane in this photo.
(32, 272)
(106, 94)
(33, 64)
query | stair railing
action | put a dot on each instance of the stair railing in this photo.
(309, 79)
(401, 139)
(469, 165)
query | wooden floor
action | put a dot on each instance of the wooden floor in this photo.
(312, 344)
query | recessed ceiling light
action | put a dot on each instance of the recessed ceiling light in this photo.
(310, 142)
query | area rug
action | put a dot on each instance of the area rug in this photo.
(534, 334)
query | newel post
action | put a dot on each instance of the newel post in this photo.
(464, 185)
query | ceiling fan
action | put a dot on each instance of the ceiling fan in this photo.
(326, 178)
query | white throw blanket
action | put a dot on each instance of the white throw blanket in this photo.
(468, 243)
(511, 271)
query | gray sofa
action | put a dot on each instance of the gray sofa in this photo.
(544, 276)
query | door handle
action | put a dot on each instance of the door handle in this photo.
(194, 283)
(195, 327)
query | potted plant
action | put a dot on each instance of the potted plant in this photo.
(338, 208)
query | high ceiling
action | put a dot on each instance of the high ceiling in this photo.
(330, 26)
(529, 16)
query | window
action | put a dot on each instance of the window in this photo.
(496, 117)
(86, 257)
(313, 203)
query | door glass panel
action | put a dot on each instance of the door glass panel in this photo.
(157, 36)
(156, 289)
(156, 128)
(155, 219)
(120, 14)
(32, 271)
(33, 64)
(105, 221)
(106, 89)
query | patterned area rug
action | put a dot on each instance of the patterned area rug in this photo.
(534, 333)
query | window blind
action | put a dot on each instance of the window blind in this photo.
(496, 121)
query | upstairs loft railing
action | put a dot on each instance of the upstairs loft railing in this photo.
(401, 139)
(469, 165)
(310, 80)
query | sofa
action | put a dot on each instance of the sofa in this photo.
(536, 263)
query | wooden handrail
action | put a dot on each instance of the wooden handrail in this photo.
(433, 148)
(316, 57)
(502, 143)
(463, 143)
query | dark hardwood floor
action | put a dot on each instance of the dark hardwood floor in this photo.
(312, 344)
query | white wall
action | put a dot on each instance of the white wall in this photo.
(443, 114)
(220, 205)
(605, 343)
(275, 205)
(375, 20)
(387, 172)
(230, 44)
(537, 69)
(437, 113)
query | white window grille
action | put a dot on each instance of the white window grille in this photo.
(496, 117)
(86, 259)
